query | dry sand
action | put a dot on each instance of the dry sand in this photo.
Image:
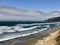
(49, 39)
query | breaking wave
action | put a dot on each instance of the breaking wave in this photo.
(10, 32)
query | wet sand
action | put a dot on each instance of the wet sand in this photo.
(49, 39)
(28, 40)
(41, 40)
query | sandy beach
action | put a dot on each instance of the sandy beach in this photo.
(29, 22)
(47, 38)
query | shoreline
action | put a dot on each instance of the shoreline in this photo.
(27, 39)
(49, 39)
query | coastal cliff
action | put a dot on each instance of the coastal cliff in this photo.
(49, 39)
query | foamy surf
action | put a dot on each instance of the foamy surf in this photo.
(7, 37)
(11, 32)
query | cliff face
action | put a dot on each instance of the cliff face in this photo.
(49, 39)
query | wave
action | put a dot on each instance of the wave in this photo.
(10, 32)
(14, 29)
(11, 36)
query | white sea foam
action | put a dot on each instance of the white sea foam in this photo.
(7, 37)
(23, 29)
(14, 28)
(13, 34)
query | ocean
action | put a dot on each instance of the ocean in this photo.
(14, 29)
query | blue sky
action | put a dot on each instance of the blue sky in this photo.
(42, 5)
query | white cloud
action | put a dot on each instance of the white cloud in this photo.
(12, 14)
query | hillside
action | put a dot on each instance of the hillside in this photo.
(55, 19)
